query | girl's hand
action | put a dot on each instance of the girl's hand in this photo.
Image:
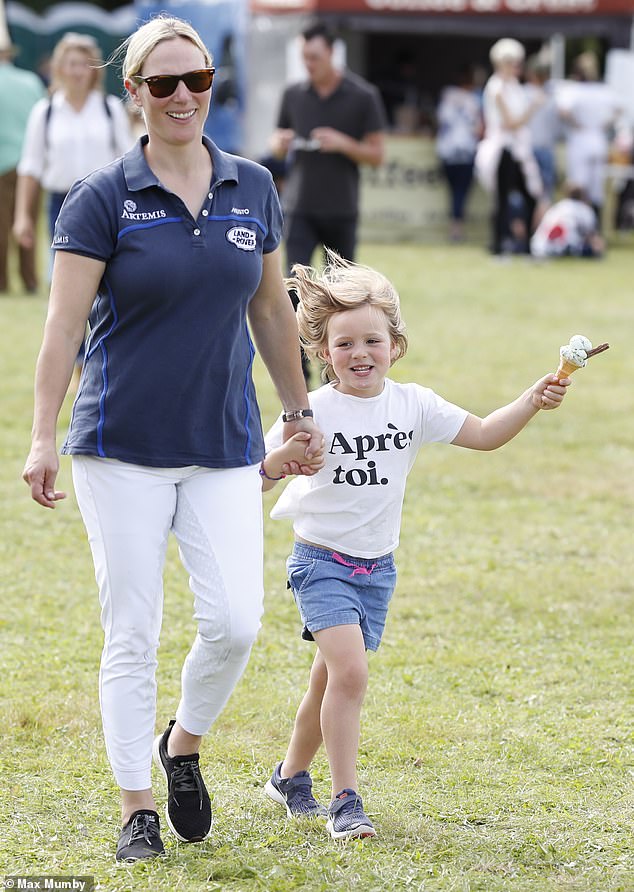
(549, 392)
(296, 461)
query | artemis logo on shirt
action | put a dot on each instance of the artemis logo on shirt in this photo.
(130, 212)
(360, 446)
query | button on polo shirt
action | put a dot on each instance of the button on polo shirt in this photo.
(167, 378)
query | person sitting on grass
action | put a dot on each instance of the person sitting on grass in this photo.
(347, 516)
(570, 228)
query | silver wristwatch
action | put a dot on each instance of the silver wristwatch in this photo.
(296, 414)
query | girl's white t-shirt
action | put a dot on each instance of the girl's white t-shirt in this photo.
(354, 503)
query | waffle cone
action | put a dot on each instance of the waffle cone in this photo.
(566, 368)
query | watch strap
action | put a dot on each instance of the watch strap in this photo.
(296, 414)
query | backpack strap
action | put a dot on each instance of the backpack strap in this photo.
(47, 121)
(108, 111)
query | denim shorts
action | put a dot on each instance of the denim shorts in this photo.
(333, 589)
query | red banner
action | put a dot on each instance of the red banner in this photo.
(449, 7)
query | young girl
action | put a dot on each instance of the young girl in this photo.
(347, 516)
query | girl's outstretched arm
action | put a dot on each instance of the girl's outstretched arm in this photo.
(503, 424)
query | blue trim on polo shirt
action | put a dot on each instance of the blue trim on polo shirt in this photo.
(247, 401)
(224, 217)
(148, 225)
(102, 399)
(101, 345)
(115, 321)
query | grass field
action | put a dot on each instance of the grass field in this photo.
(498, 736)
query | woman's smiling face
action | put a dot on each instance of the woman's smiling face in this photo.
(178, 118)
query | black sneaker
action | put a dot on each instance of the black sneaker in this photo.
(346, 818)
(141, 837)
(188, 810)
(295, 794)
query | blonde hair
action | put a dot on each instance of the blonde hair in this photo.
(86, 44)
(341, 286)
(139, 45)
(506, 50)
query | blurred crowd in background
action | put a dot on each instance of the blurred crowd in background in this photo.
(543, 149)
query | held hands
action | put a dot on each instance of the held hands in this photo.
(294, 455)
(549, 392)
(40, 472)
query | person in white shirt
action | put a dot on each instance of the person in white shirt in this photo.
(459, 118)
(505, 163)
(569, 228)
(347, 517)
(69, 134)
(590, 109)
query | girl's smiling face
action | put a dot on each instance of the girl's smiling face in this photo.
(360, 350)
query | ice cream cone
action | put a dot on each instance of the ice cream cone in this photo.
(566, 369)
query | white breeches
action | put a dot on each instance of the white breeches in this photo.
(216, 516)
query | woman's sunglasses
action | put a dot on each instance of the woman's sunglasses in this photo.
(163, 85)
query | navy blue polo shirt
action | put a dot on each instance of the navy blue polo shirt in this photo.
(167, 377)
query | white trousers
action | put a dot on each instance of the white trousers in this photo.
(586, 161)
(216, 516)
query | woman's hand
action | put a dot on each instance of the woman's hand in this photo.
(24, 232)
(40, 472)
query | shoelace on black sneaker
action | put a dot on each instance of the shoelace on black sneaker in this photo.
(185, 778)
(143, 827)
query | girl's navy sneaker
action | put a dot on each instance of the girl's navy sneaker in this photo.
(295, 794)
(346, 818)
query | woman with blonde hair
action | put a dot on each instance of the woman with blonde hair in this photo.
(69, 134)
(174, 252)
(505, 162)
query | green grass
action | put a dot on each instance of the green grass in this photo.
(497, 746)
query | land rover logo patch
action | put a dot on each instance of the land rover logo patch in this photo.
(242, 238)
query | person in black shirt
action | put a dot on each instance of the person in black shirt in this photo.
(327, 126)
